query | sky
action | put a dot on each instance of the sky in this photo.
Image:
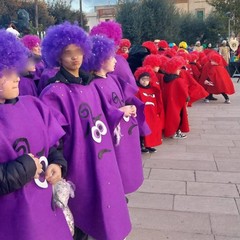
(89, 4)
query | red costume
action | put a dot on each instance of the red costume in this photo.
(195, 90)
(153, 108)
(175, 95)
(218, 75)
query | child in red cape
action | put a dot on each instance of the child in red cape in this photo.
(149, 95)
(218, 80)
(175, 97)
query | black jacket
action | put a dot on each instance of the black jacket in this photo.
(15, 174)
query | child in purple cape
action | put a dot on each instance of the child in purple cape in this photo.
(99, 207)
(28, 131)
(111, 92)
(33, 43)
(27, 85)
(122, 71)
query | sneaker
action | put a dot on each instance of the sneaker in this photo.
(179, 135)
(206, 100)
(227, 101)
(152, 150)
(212, 98)
(144, 150)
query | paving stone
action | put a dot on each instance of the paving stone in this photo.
(146, 172)
(207, 142)
(205, 204)
(143, 234)
(186, 156)
(172, 175)
(152, 201)
(153, 219)
(217, 177)
(212, 189)
(226, 238)
(225, 225)
(230, 166)
(181, 165)
(215, 137)
(168, 187)
(209, 149)
(238, 199)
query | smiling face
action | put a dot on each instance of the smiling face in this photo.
(9, 82)
(71, 58)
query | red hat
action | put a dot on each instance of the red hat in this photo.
(163, 60)
(163, 44)
(152, 60)
(170, 52)
(150, 46)
(174, 64)
(193, 57)
(183, 54)
(216, 58)
(124, 42)
(144, 71)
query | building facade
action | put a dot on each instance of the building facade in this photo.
(199, 8)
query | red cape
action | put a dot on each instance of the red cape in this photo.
(153, 111)
(175, 94)
(220, 77)
(195, 90)
(195, 70)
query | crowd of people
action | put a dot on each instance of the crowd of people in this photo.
(77, 112)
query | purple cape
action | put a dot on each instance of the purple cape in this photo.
(128, 84)
(27, 126)
(128, 150)
(46, 75)
(123, 71)
(99, 207)
(27, 86)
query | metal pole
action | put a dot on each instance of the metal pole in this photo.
(81, 13)
(229, 30)
(36, 14)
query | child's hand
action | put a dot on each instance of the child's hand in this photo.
(129, 110)
(53, 173)
(39, 167)
(209, 83)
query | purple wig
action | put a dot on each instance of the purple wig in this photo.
(110, 29)
(13, 54)
(60, 36)
(103, 48)
(31, 41)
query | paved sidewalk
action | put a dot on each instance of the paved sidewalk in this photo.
(191, 188)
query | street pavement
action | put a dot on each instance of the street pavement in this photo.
(191, 189)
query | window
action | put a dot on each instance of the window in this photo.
(200, 14)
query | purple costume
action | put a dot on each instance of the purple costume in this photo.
(99, 207)
(27, 126)
(27, 85)
(123, 71)
(46, 75)
(126, 78)
(128, 150)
